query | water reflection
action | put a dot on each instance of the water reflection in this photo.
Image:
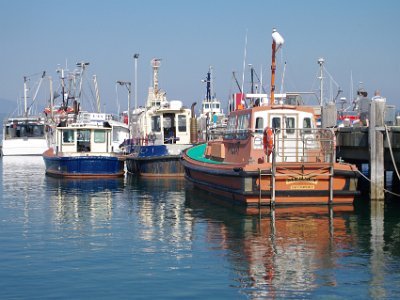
(140, 229)
(81, 200)
(23, 181)
(286, 252)
(22, 173)
(160, 209)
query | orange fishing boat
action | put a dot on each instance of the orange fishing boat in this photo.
(273, 153)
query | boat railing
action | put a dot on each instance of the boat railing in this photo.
(301, 146)
(294, 144)
(304, 145)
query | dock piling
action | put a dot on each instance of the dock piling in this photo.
(376, 130)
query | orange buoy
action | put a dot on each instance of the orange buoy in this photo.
(268, 140)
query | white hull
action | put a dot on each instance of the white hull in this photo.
(24, 146)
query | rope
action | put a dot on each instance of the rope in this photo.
(385, 190)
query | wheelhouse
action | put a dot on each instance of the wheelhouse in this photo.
(81, 139)
(294, 130)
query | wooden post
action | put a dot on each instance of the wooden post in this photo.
(329, 115)
(377, 169)
(377, 265)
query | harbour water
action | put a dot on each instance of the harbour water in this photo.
(133, 238)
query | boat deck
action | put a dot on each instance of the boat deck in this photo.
(197, 153)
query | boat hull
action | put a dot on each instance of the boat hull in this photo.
(295, 184)
(156, 161)
(24, 146)
(156, 166)
(89, 166)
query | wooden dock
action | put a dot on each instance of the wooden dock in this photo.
(352, 145)
(377, 145)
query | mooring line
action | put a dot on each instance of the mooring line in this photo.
(385, 190)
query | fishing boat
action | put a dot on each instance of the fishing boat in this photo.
(273, 154)
(84, 149)
(25, 134)
(211, 122)
(160, 132)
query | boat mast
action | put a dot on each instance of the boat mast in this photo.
(321, 78)
(208, 81)
(82, 65)
(156, 65)
(96, 88)
(251, 78)
(63, 89)
(277, 41)
(153, 98)
(135, 57)
(211, 91)
(244, 60)
(28, 109)
(51, 97)
(273, 67)
(25, 96)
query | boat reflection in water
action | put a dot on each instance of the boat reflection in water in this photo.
(283, 252)
(156, 184)
(22, 173)
(159, 205)
(80, 200)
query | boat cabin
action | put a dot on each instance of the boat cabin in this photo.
(293, 136)
(169, 124)
(23, 128)
(80, 139)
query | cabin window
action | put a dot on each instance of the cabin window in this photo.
(155, 124)
(276, 123)
(232, 123)
(206, 106)
(167, 121)
(83, 135)
(24, 130)
(259, 125)
(290, 125)
(182, 123)
(231, 128)
(243, 126)
(307, 125)
(99, 136)
(83, 140)
(215, 106)
(38, 130)
(243, 122)
(117, 132)
(68, 136)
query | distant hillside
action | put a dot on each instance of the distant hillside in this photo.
(7, 106)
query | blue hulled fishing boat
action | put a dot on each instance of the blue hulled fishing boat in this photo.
(85, 149)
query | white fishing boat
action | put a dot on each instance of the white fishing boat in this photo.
(160, 132)
(211, 122)
(25, 134)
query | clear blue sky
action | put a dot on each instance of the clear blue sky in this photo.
(355, 37)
